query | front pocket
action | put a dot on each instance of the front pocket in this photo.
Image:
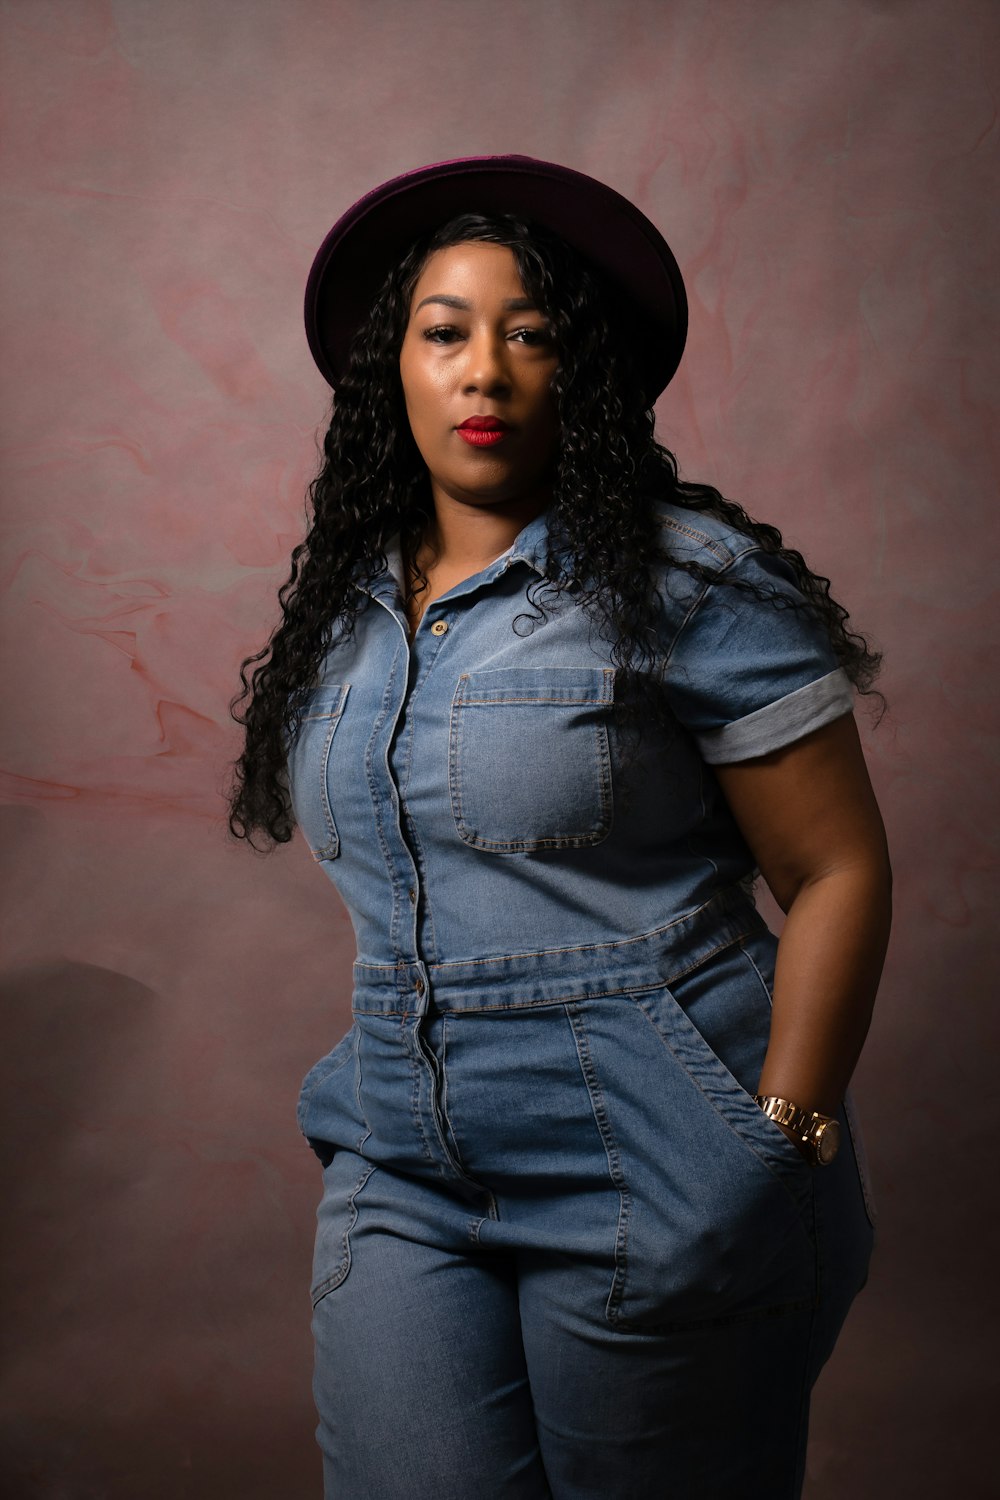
(309, 769)
(343, 1179)
(327, 1065)
(727, 1095)
(323, 1112)
(529, 761)
(718, 1219)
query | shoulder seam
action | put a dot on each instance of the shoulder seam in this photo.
(718, 549)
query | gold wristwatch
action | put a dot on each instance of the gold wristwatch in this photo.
(820, 1134)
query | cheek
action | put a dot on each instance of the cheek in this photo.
(545, 398)
(423, 415)
(421, 390)
(420, 411)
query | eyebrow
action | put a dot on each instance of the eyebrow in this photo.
(512, 304)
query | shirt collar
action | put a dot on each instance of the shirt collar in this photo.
(529, 546)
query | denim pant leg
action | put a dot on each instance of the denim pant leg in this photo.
(561, 1252)
(706, 1413)
(689, 1373)
(419, 1377)
(419, 1380)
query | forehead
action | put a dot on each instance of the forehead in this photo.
(475, 270)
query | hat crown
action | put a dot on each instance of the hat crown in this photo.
(595, 219)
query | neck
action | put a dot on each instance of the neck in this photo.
(472, 536)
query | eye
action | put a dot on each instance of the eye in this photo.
(441, 333)
(532, 335)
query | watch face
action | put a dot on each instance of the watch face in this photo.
(829, 1141)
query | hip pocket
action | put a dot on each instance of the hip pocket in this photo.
(344, 1177)
(319, 1113)
(725, 1228)
(717, 1217)
(529, 762)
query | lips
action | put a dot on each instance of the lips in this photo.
(483, 432)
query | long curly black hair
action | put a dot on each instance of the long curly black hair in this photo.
(610, 475)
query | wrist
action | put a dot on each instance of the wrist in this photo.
(812, 1100)
(815, 1135)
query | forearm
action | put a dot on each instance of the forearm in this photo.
(829, 962)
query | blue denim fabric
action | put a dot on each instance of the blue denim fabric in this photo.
(461, 793)
(561, 1252)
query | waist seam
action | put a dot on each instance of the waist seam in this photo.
(521, 981)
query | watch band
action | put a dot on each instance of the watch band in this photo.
(820, 1134)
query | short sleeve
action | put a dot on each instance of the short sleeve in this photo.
(746, 676)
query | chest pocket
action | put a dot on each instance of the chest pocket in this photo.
(529, 764)
(310, 769)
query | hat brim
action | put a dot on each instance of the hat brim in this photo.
(372, 236)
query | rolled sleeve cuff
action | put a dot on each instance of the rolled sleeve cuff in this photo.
(781, 722)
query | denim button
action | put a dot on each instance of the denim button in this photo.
(419, 986)
(413, 896)
(439, 627)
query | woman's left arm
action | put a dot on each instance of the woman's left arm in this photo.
(810, 817)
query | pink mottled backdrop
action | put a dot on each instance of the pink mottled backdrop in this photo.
(827, 175)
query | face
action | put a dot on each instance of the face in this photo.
(477, 351)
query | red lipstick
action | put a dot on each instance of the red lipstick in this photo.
(483, 432)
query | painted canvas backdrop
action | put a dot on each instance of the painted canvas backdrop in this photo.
(826, 174)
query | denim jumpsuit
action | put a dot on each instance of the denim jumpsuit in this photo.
(561, 1252)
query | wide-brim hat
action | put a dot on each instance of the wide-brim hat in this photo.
(615, 236)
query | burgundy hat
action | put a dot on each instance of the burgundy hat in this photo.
(606, 228)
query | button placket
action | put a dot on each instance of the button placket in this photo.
(399, 855)
(420, 667)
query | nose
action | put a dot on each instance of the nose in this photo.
(486, 364)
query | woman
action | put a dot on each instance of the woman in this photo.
(594, 1205)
